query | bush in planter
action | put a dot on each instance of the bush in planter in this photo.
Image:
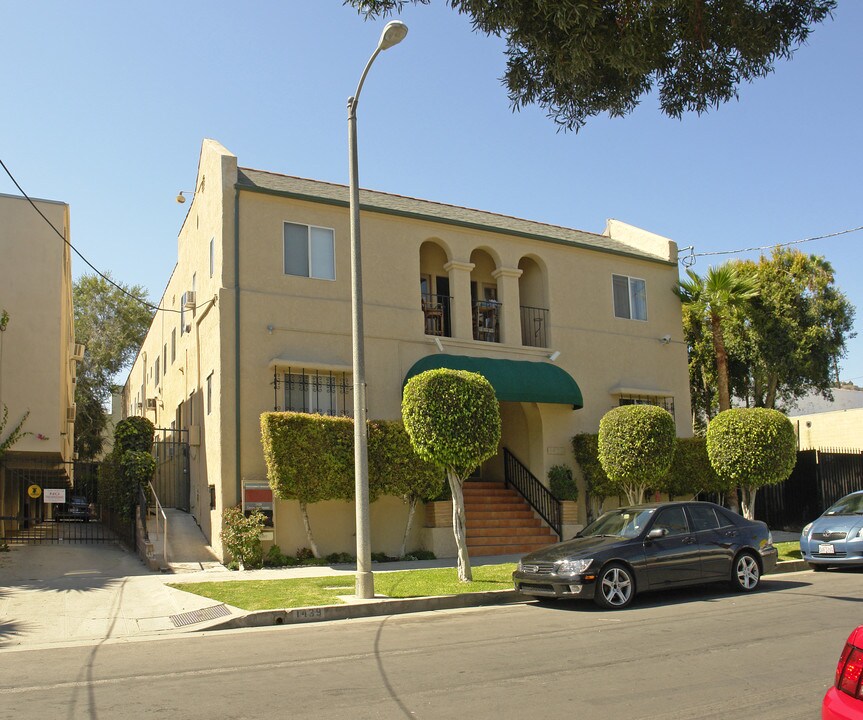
(561, 483)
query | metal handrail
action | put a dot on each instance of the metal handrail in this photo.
(159, 510)
(539, 497)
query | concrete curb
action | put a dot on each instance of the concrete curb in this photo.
(396, 606)
(364, 609)
(788, 566)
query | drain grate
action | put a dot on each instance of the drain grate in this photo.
(196, 616)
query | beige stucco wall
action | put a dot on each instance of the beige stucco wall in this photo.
(841, 429)
(306, 322)
(36, 369)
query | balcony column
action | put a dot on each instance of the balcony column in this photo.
(508, 296)
(459, 288)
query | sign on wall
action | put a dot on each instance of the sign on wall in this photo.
(55, 495)
(258, 496)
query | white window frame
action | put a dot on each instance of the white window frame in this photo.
(309, 228)
(630, 280)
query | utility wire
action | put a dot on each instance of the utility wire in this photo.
(123, 290)
(689, 260)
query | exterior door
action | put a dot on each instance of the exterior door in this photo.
(675, 558)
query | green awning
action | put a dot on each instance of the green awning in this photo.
(512, 380)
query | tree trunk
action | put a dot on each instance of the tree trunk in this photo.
(772, 387)
(721, 362)
(412, 506)
(634, 494)
(458, 525)
(749, 502)
(307, 525)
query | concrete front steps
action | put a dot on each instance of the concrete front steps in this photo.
(500, 522)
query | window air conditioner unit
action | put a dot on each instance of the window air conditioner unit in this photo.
(190, 300)
(70, 413)
(151, 403)
(78, 352)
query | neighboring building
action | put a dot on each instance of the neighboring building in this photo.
(37, 356)
(821, 423)
(566, 324)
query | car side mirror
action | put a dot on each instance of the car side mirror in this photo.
(657, 533)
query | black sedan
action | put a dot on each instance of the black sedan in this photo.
(650, 547)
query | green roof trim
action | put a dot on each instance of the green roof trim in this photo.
(512, 380)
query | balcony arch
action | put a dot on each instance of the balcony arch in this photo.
(435, 296)
(485, 305)
(533, 302)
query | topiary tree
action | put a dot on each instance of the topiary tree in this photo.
(751, 447)
(453, 420)
(636, 447)
(396, 468)
(585, 447)
(310, 459)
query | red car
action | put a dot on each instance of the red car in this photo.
(844, 701)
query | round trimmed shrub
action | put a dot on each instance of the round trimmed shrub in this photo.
(752, 447)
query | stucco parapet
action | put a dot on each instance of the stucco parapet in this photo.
(506, 272)
(459, 265)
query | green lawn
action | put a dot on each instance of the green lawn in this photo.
(788, 550)
(308, 592)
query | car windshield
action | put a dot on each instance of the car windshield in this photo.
(625, 522)
(849, 505)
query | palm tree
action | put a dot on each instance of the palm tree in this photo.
(715, 297)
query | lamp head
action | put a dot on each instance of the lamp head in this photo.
(394, 32)
(181, 199)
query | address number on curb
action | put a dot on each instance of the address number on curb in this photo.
(310, 614)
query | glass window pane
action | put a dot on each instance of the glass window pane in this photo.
(639, 299)
(703, 518)
(620, 285)
(296, 250)
(323, 259)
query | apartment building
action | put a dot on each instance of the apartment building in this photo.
(257, 317)
(38, 357)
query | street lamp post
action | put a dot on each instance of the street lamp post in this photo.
(393, 33)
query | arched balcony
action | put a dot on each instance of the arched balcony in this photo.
(533, 301)
(434, 290)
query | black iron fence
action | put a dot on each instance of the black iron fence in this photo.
(537, 495)
(819, 479)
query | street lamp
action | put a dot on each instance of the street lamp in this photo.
(393, 33)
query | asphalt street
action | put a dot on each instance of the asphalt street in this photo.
(703, 653)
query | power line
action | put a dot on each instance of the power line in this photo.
(123, 290)
(689, 260)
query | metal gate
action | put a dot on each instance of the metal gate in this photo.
(29, 514)
(171, 479)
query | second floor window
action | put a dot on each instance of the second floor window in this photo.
(309, 251)
(630, 297)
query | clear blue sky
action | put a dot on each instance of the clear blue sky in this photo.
(105, 105)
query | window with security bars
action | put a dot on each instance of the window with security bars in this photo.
(313, 391)
(664, 402)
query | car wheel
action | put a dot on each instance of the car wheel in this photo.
(818, 568)
(615, 587)
(746, 574)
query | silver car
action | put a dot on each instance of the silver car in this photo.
(835, 538)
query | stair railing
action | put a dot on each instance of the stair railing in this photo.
(539, 497)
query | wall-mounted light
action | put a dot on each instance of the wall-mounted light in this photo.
(438, 343)
(554, 356)
(270, 329)
(665, 339)
(180, 195)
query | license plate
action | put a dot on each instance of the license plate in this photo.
(826, 550)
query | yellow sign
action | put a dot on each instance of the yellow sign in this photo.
(34, 491)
